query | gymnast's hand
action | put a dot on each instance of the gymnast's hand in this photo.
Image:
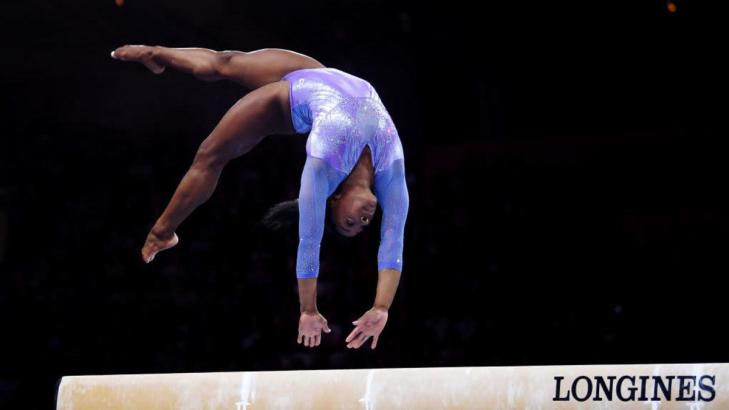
(157, 241)
(369, 325)
(310, 327)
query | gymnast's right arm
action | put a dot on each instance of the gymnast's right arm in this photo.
(312, 212)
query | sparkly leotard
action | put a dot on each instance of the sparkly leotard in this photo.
(342, 114)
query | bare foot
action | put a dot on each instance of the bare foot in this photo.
(156, 243)
(140, 54)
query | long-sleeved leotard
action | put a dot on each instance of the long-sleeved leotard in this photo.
(342, 114)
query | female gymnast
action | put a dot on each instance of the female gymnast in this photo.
(352, 149)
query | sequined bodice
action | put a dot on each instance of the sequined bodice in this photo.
(342, 114)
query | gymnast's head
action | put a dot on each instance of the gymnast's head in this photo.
(349, 212)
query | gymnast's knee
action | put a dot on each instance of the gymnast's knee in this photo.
(209, 158)
(215, 67)
(222, 63)
(222, 58)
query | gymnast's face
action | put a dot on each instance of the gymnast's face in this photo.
(352, 211)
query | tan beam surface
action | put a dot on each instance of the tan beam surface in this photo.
(690, 386)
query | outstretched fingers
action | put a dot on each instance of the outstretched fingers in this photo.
(309, 340)
(374, 341)
(358, 341)
(357, 330)
(359, 335)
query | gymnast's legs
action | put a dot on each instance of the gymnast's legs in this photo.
(250, 69)
(262, 112)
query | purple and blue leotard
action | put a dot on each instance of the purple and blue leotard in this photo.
(342, 114)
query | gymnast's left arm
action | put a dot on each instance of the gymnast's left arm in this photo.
(392, 193)
(315, 187)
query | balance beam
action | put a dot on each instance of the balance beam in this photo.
(664, 386)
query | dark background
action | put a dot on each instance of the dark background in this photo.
(566, 168)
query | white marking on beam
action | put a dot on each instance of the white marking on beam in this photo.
(367, 398)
